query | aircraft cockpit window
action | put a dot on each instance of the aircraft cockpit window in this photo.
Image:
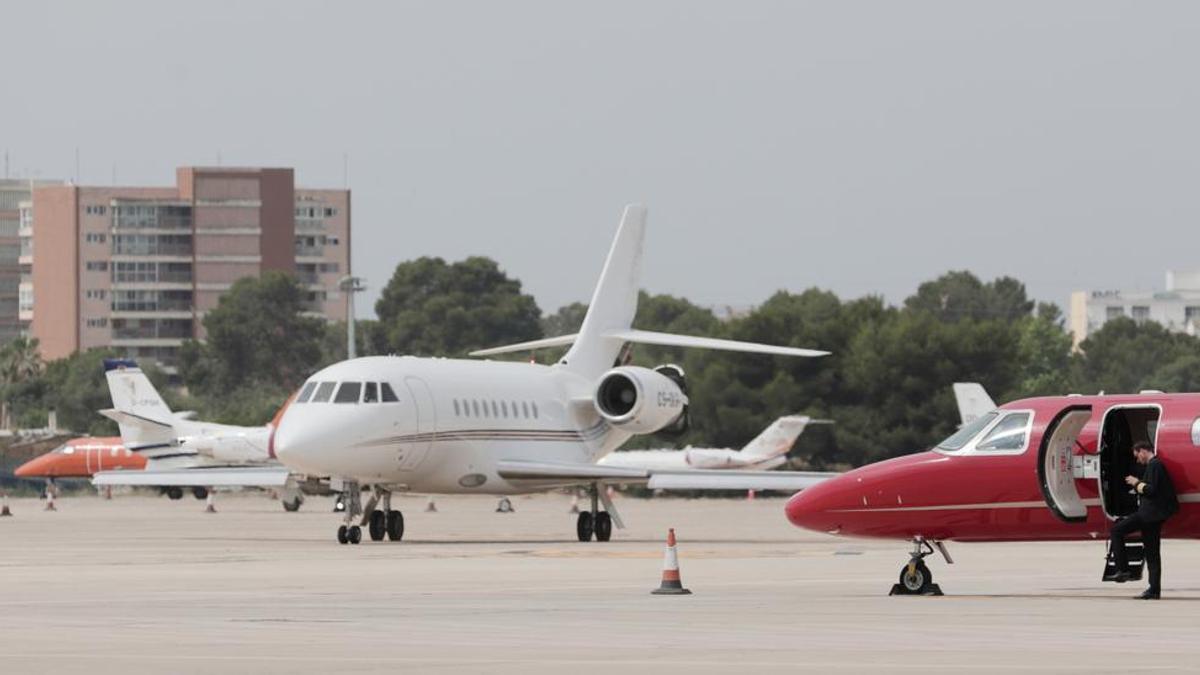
(306, 392)
(348, 392)
(324, 391)
(68, 450)
(1008, 434)
(966, 432)
(387, 394)
(371, 393)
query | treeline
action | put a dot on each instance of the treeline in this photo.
(887, 383)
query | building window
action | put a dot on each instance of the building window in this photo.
(95, 210)
(97, 266)
(95, 294)
(97, 323)
(332, 241)
(1141, 314)
(1113, 312)
(330, 212)
(95, 238)
(1191, 315)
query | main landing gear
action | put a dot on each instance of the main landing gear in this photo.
(915, 577)
(380, 523)
(596, 522)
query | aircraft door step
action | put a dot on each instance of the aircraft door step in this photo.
(1136, 557)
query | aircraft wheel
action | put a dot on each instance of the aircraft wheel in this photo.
(376, 525)
(395, 525)
(292, 505)
(584, 526)
(603, 526)
(354, 534)
(342, 536)
(199, 492)
(174, 493)
(918, 581)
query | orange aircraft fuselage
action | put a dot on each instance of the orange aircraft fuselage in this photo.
(82, 458)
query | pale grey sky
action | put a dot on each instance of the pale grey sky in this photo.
(858, 146)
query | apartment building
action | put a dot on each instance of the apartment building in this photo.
(137, 268)
(1177, 307)
(13, 194)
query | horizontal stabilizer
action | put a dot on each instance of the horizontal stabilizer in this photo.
(233, 477)
(121, 417)
(560, 341)
(787, 481)
(662, 339)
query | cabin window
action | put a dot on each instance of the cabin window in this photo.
(456, 413)
(495, 410)
(504, 408)
(387, 394)
(1009, 434)
(348, 393)
(485, 409)
(371, 393)
(960, 438)
(1196, 432)
(306, 392)
(534, 406)
(324, 391)
(475, 408)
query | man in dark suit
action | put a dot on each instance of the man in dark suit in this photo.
(1156, 503)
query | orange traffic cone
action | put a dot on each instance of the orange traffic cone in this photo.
(749, 495)
(209, 507)
(671, 585)
(50, 501)
(4, 509)
(430, 506)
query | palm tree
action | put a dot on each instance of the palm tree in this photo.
(20, 361)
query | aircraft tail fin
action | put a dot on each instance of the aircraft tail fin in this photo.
(139, 410)
(777, 439)
(614, 301)
(973, 401)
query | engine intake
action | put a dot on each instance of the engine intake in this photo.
(639, 400)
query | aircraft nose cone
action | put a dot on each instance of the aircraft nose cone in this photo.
(31, 469)
(811, 508)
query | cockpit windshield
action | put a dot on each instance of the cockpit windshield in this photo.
(966, 432)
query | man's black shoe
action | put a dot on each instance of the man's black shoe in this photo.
(1149, 595)
(1119, 577)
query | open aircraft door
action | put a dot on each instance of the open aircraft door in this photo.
(1062, 462)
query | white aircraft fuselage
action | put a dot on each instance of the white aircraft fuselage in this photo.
(453, 421)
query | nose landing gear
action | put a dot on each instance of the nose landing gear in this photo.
(348, 532)
(915, 577)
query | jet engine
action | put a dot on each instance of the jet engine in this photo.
(232, 448)
(640, 400)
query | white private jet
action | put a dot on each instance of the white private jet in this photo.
(181, 452)
(436, 425)
(767, 451)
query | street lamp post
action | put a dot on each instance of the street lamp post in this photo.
(350, 285)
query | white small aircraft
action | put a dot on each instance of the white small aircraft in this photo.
(437, 426)
(767, 451)
(181, 452)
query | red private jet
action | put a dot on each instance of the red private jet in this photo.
(1039, 469)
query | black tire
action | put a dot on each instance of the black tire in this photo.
(395, 525)
(919, 581)
(292, 505)
(342, 536)
(376, 525)
(354, 534)
(603, 526)
(200, 492)
(584, 526)
(174, 493)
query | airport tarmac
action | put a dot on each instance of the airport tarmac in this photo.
(143, 584)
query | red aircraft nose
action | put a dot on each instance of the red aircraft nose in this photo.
(811, 508)
(34, 468)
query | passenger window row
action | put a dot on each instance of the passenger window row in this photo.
(348, 392)
(494, 409)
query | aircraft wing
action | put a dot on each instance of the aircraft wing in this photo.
(669, 479)
(715, 479)
(232, 477)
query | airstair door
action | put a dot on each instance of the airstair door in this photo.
(1059, 466)
(422, 398)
